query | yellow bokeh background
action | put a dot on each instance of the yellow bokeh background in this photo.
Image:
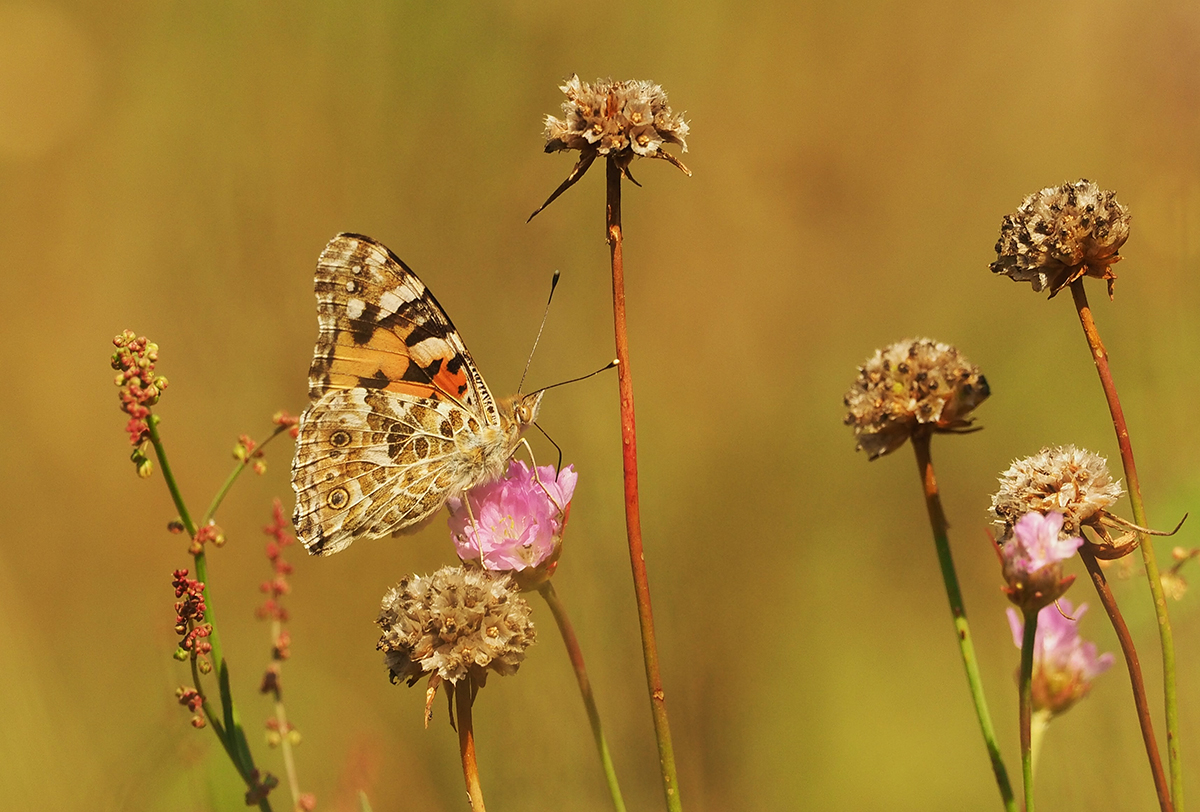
(176, 167)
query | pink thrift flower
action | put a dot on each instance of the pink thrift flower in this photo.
(1032, 557)
(518, 519)
(1064, 665)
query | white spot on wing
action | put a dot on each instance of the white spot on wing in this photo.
(423, 352)
(355, 307)
(392, 300)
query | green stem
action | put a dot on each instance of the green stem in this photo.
(161, 452)
(937, 520)
(633, 518)
(1039, 723)
(585, 689)
(237, 472)
(1166, 640)
(1026, 682)
(232, 737)
(285, 743)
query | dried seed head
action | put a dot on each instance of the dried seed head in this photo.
(1070, 480)
(608, 117)
(908, 384)
(1063, 233)
(618, 120)
(453, 624)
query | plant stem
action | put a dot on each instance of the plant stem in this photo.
(1100, 357)
(190, 528)
(1026, 682)
(160, 451)
(231, 736)
(237, 472)
(285, 744)
(937, 520)
(1109, 602)
(633, 520)
(585, 689)
(466, 743)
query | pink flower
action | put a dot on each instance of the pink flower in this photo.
(516, 522)
(1064, 665)
(1032, 557)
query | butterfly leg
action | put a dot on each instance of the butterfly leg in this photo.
(537, 477)
(474, 527)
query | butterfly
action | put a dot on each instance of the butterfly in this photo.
(400, 419)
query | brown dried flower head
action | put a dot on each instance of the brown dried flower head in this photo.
(1061, 234)
(618, 120)
(453, 624)
(609, 117)
(908, 385)
(1070, 480)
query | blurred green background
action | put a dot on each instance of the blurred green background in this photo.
(176, 168)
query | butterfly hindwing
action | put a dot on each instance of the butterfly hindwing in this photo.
(369, 464)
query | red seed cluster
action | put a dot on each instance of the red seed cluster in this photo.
(260, 787)
(272, 608)
(134, 361)
(189, 617)
(209, 533)
(291, 422)
(193, 701)
(278, 586)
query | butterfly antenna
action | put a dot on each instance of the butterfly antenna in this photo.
(610, 365)
(542, 326)
(558, 465)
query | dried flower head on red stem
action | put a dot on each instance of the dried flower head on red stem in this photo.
(908, 385)
(618, 120)
(1063, 233)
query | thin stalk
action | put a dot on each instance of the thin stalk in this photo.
(633, 520)
(190, 528)
(585, 689)
(231, 737)
(1109, 602)
(237, 472)
(1039, 723)
(463, 696)
(958, 610)
(1026, 683)
(1170, 701)
(285, 744)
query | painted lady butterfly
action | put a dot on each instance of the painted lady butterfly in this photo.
(400, 418)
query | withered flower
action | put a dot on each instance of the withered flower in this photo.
(618, 120)
(1061, 234)
(453, 625)
(910, 384)
(1072, 481)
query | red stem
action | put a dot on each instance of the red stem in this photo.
(466, 743)
(633, 521)
(1153, 579)
(1109, 602)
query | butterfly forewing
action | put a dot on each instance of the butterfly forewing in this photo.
(381, 328)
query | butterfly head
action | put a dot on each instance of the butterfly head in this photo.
(525, 408)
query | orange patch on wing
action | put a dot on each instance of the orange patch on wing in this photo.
(453, 384)
(385, 356)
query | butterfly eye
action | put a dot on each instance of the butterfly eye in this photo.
(338, 498)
